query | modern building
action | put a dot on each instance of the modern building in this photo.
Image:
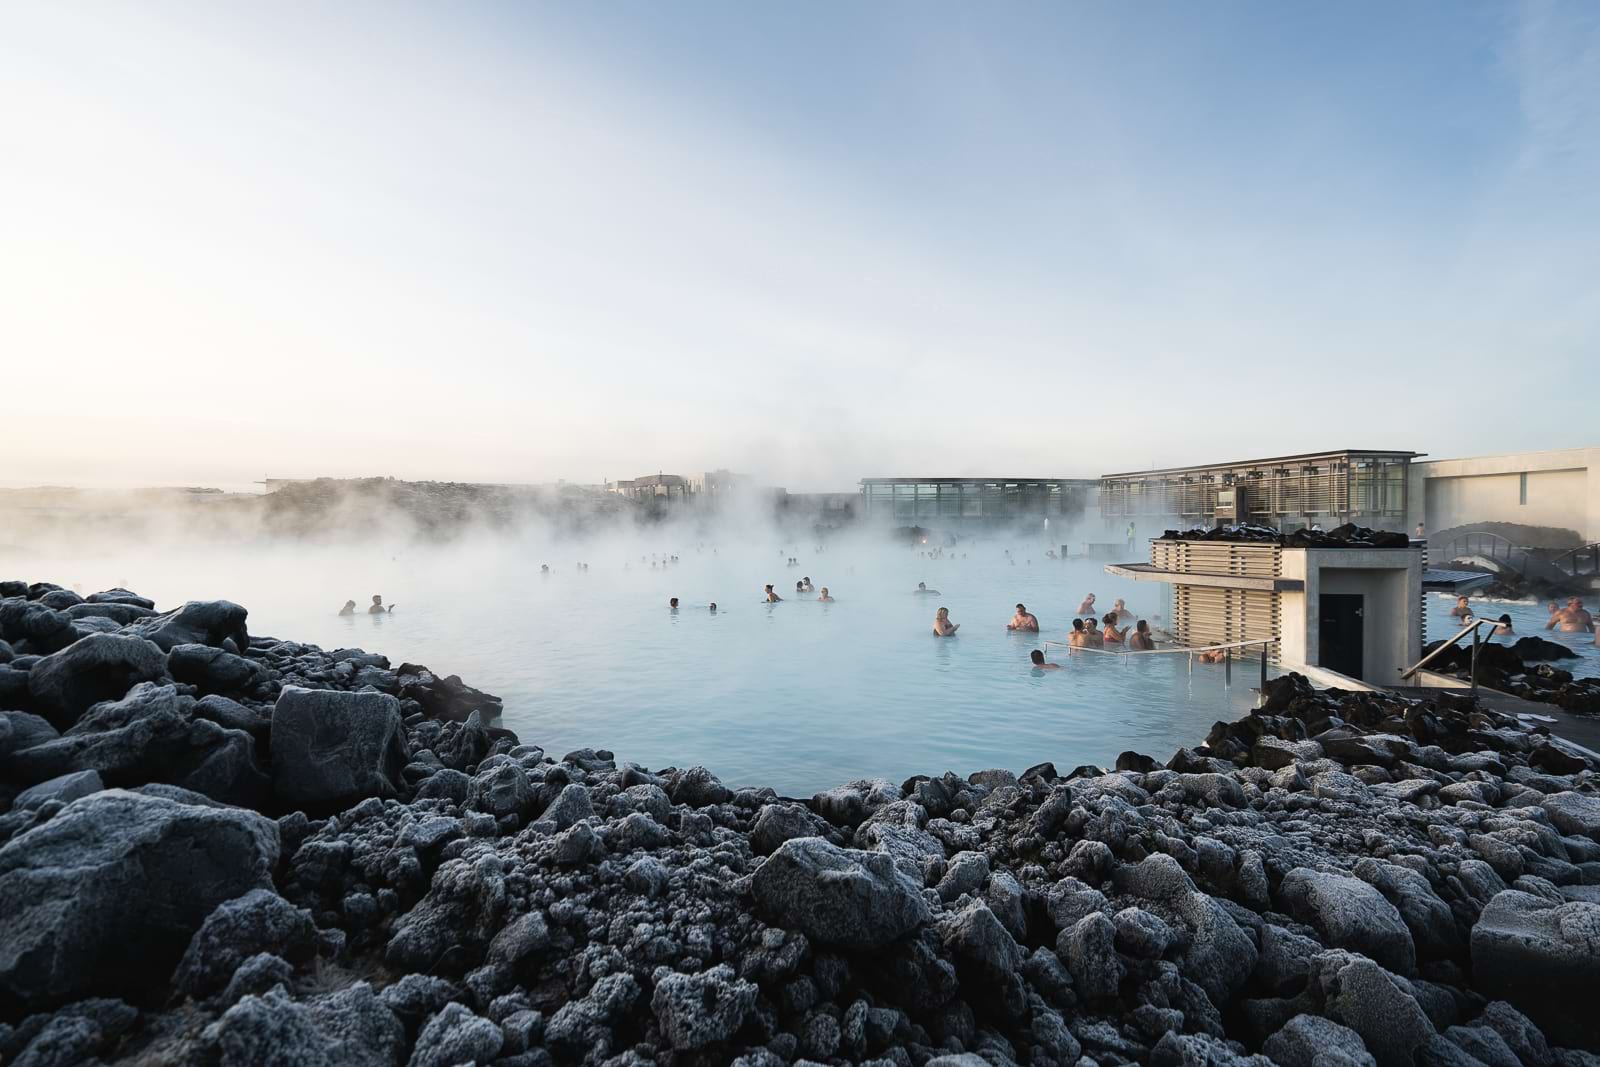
(663, 488)
(1558, 489)
(923, 501)
(1355, 610)
(1363, 486)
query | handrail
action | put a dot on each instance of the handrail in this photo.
(1469, 628)
(1592, 550)
(1495, 541)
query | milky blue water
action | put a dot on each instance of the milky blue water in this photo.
(1527, 617)
(799, 695)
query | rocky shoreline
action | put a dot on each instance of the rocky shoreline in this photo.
(219, 848)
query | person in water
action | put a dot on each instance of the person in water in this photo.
(825, 598)
(923, 590)
(349, 608)
(799, 587)
(1505, 625)
(942, 626)
(1462, 610)
(1573, 619)
(1215, 655)
(1092, 637)
(1076, 638)
(807, 587)
(1140, 640)
(773, 598)
(1023, 621)
(544, 568)
(713, 607)
(377, 607)
(672, 605)
(1087, 607)
(1120, 610)
(1037, 656)
(1111, 633)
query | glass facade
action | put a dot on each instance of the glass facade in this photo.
(932, 501)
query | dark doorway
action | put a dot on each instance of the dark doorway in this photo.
(1342, 633)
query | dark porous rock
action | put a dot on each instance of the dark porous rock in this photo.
(447, 698)
(1374, 1003)
(269, 1030)
(218, 623)
(456, 1036)
(1544, 957)
(131, 741)
(105, 897)
(62, 790)
(583, 1025)
(1089, 951)
(1538, 648)
(1574, 813)
(838, 896)
(777, 823)
(232, 715)
(260, 921)
(14, 694)
(1312, 1041)
(33, 626)
(849, 805)
(698, 788)
(211, 670)
(120, 596)
(99, 667)
(331, 749)
(121, 614)
(1351, 914)
(697, 1010)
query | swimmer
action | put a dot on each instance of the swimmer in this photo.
(1215, 655)
(1076, 638)
(808, 587)
(1087, 607)
(923, 590)
(1111, 633)
(1505, 625)
(1140, 640)
(1092, 637)
(1022, 621)
(713, 607)
(825, 598)
(1462, 610)
(672, 605)
(1120, 610)
(1573, 618)
(1039, 664)
(377, 607)
(1553, 609)
(942, 626)
(773, 598)
(349, 608)
(799, 587)
(544, 568)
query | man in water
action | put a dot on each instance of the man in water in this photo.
(1141, 641)
(713, 607)
(377, 607)
(1462, 610)
(1573, 619)
(1076, 638)
(1087, 607)
(1023, 621)
(923, 590)
(806, 586)
(773, 598)
(1092, 638)
(672, 605)
(825, 598)
(1215, 655)
(942, 626)
(1039, 664)
(1120, 610)
(349, 608)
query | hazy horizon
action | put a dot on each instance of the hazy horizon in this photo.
(512, 243)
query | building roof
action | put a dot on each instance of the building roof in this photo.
(1304, 457)
(985, 479)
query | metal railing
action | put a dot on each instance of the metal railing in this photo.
(1227, 660)
(1479, 543)
(1477, 641)
(1585, 559)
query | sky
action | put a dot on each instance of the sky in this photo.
(813, 242)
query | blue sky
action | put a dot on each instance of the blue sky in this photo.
(820, 241)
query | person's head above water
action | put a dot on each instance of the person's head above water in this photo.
(922, 585)
(1077, 624)
(713, 607)
(1505, 619)
(1036, 655)
(1142, 626)
(1022, 609)
(376, 599)
(672, 603)
(942, 613)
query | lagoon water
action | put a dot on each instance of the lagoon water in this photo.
(1527, 617)
(799, 695)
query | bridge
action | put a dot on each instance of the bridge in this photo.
(1502, 555)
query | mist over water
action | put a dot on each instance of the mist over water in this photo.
(799, 695)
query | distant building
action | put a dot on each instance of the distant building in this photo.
(664, 488)
(920, 501)
(1369, 488)
(720, 483)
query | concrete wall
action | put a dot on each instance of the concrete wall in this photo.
(1563, 491)
(1391, 581)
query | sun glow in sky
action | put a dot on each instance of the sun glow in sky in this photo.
(513, 242)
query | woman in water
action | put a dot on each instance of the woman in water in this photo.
(1111, 633)
(1505, 625)
(942, 626)
(825, 598)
